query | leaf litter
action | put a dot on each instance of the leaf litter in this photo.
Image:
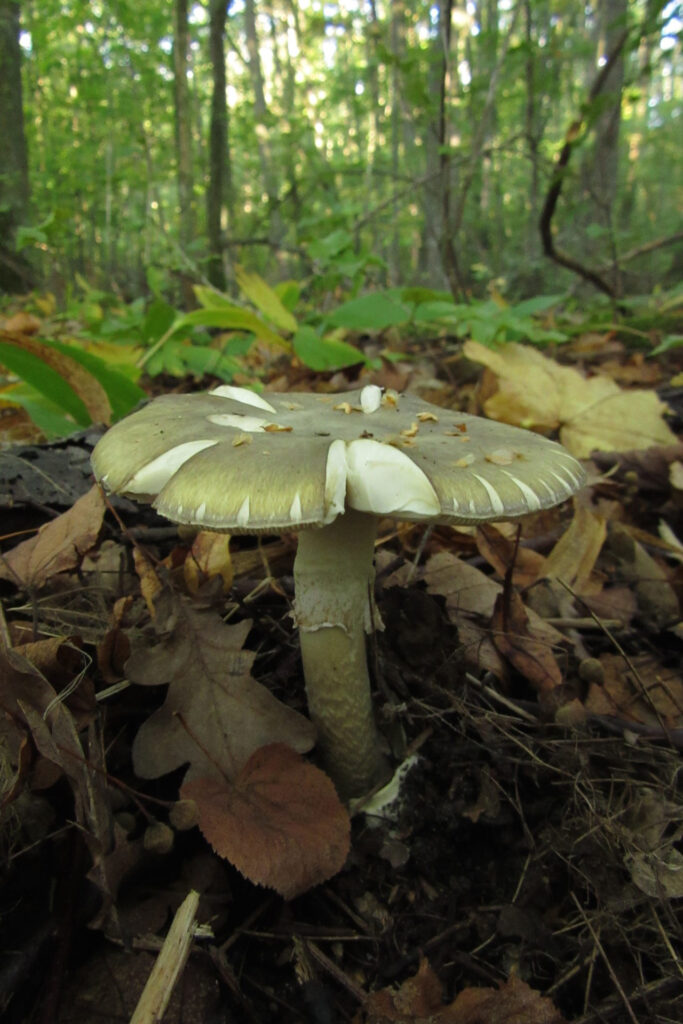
(535, 856)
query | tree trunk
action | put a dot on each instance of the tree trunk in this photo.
(183, 134)
(219, 191)
(431, 260)
(268, 173)
(15, 273)
(601, 169)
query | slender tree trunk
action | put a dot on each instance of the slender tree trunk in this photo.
(397, 29)
(431, 256)
(532, 134)
(183, 134)
(219, 191)
(601, 169)
(15, 273)
(268, 172)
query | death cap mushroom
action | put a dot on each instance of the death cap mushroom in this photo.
(233, 460)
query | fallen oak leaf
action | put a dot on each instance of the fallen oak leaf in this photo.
(215, 714)
(58, 546)
(279, 821)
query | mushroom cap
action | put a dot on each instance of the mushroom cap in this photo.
(233, 460)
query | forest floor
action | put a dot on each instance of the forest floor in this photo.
(530, 870)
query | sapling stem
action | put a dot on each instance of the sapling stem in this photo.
(333, 578)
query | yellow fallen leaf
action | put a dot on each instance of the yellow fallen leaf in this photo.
(618, 423)
(592, 413)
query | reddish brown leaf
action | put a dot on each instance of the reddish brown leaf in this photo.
(513, 1003)
(58, 546)
(280, 822)
(419, 1001)
(532, 657)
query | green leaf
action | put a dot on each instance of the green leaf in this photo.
(264, 298)
(418, 295)
(324, 353)
(229, 317)
(32, 370)
(329, 246)
(211, 298)
(668, 342)
(158, 320)
(370, 312)
(289, 293)
(436, 309)
(123, 394)
(537, 305)
(45, 414)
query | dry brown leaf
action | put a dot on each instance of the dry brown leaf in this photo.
(498, 546)
(651, 833)
(215, 714)
(643, 691)
(27, 695)
(533, 658)
(150, 584)
(419, 1001)
(657, 601)
(280, 821)
(573, 558)
(209, 556)
(58, 546)
(470, 601)
(592, 413)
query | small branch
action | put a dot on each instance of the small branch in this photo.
(169, 964)
(642, 250)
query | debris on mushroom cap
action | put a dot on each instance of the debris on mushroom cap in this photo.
(307, 459)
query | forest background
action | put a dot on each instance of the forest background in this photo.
(493, 150)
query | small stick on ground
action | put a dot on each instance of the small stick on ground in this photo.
(169, 964)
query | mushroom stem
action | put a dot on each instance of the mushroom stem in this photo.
(333, 577)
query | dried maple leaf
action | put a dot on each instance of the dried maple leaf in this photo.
(215, 714)
(280, 821)
(592, 413)
(419, 1001)
(59, 545)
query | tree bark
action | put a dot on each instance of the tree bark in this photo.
(269, 176)
(15, 273)
(183, 134)
(219, 190)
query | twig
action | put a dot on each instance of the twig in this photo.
(169, 964)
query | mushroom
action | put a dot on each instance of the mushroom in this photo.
(329, 467)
